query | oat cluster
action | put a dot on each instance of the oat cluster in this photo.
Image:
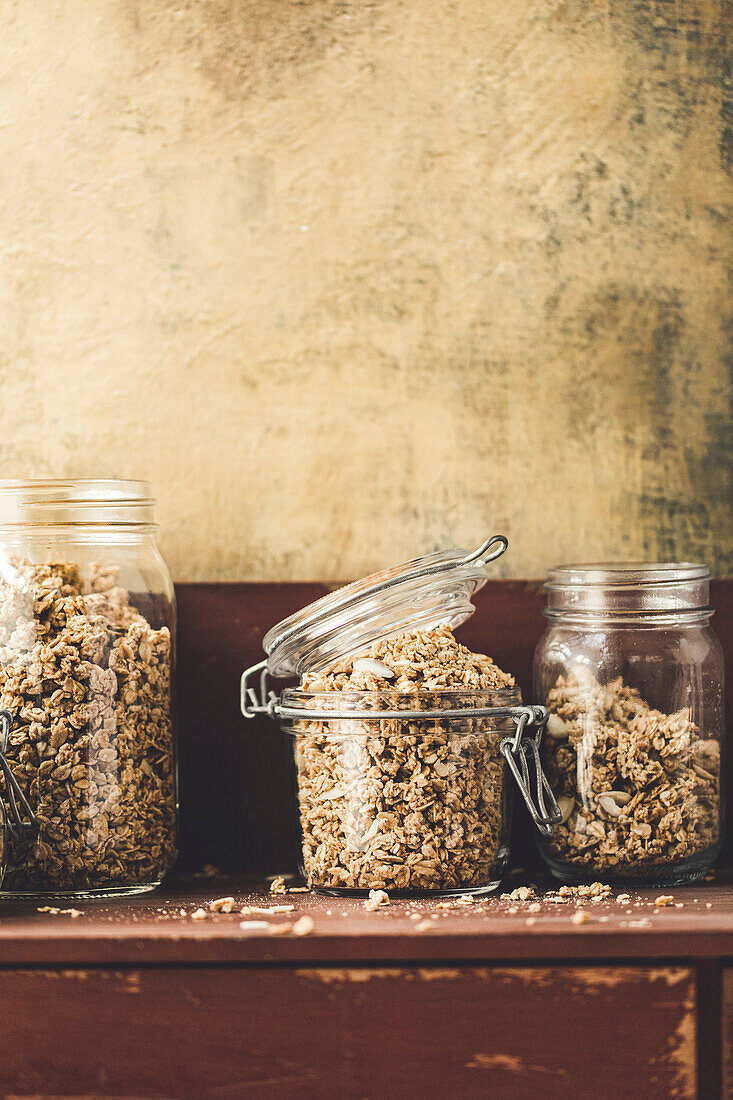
(88, 682)
(638, 788)
(404, 805)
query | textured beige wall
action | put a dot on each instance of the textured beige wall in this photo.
(353, 280)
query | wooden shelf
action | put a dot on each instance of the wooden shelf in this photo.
(158, 928)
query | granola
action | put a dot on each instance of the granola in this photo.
(404, 804)
(638, 788)
(87, 682)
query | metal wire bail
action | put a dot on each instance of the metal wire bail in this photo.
(16, 826)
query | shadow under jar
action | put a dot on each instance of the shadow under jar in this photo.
(87, 620)
(632, 675)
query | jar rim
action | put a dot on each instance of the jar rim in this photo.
(497, 696)
(628, 588)
(626, 573)
(39, 502)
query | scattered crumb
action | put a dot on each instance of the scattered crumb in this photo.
(424, 926)
(377, 899)
(464, 899)
(253, 925)
(623, 899)
(277, 886)
(278, 909)
(580, 917)
(512, 909)
(199, 914)
(54, 909)
(303, 926)
(280, 929)
(297, 890)
(535, 907)
(708, 904)
(643, 923)
(665, 899)
(530, 921)
(522, 893)
(221, 905)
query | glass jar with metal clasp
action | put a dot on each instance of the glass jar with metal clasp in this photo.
(402, 785)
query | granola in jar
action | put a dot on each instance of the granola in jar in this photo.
(403, 740)
(87, 615)
(631, 673)
(405, 804)
(637, 788)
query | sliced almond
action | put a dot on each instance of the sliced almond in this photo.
(377, 668)
(613, 801)
(557, 728)
(567, 805)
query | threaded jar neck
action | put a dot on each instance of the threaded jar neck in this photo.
(629, 589)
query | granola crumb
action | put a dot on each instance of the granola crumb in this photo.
(644, 922)
(623, 899)
(530, 921)
(222, 905)
(253, 925)
(535, 907)
(424, 926)
(522, 893)
(304, 926)
(280, 929)
(378, 899)
(665, 899)
(198, 914)
(277, 886)
(580, 917)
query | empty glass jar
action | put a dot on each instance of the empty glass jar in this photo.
(632, 675)
(87, 619)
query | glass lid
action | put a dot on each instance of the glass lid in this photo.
(417, 595)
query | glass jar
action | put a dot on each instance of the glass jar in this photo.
(87, 621)
(396, 790)
(632, 675)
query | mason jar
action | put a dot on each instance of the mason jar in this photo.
(631, 673)
(87, 622)
(405, 788)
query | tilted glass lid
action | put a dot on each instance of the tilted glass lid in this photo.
(419, 594)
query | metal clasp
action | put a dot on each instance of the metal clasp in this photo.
(12, 788)
(516, 750)
(251, 703)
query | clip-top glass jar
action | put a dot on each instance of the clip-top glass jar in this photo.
(403, 787)
(632, 675)
(87, 620)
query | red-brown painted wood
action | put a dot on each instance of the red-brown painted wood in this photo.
(160, 928)
(354, 1032)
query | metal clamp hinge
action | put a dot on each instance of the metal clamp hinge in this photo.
(516, 750)
(13, 792)
(251, 702)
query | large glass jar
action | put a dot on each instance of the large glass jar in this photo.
(632, 675)
(403, 786)
(87, 621)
